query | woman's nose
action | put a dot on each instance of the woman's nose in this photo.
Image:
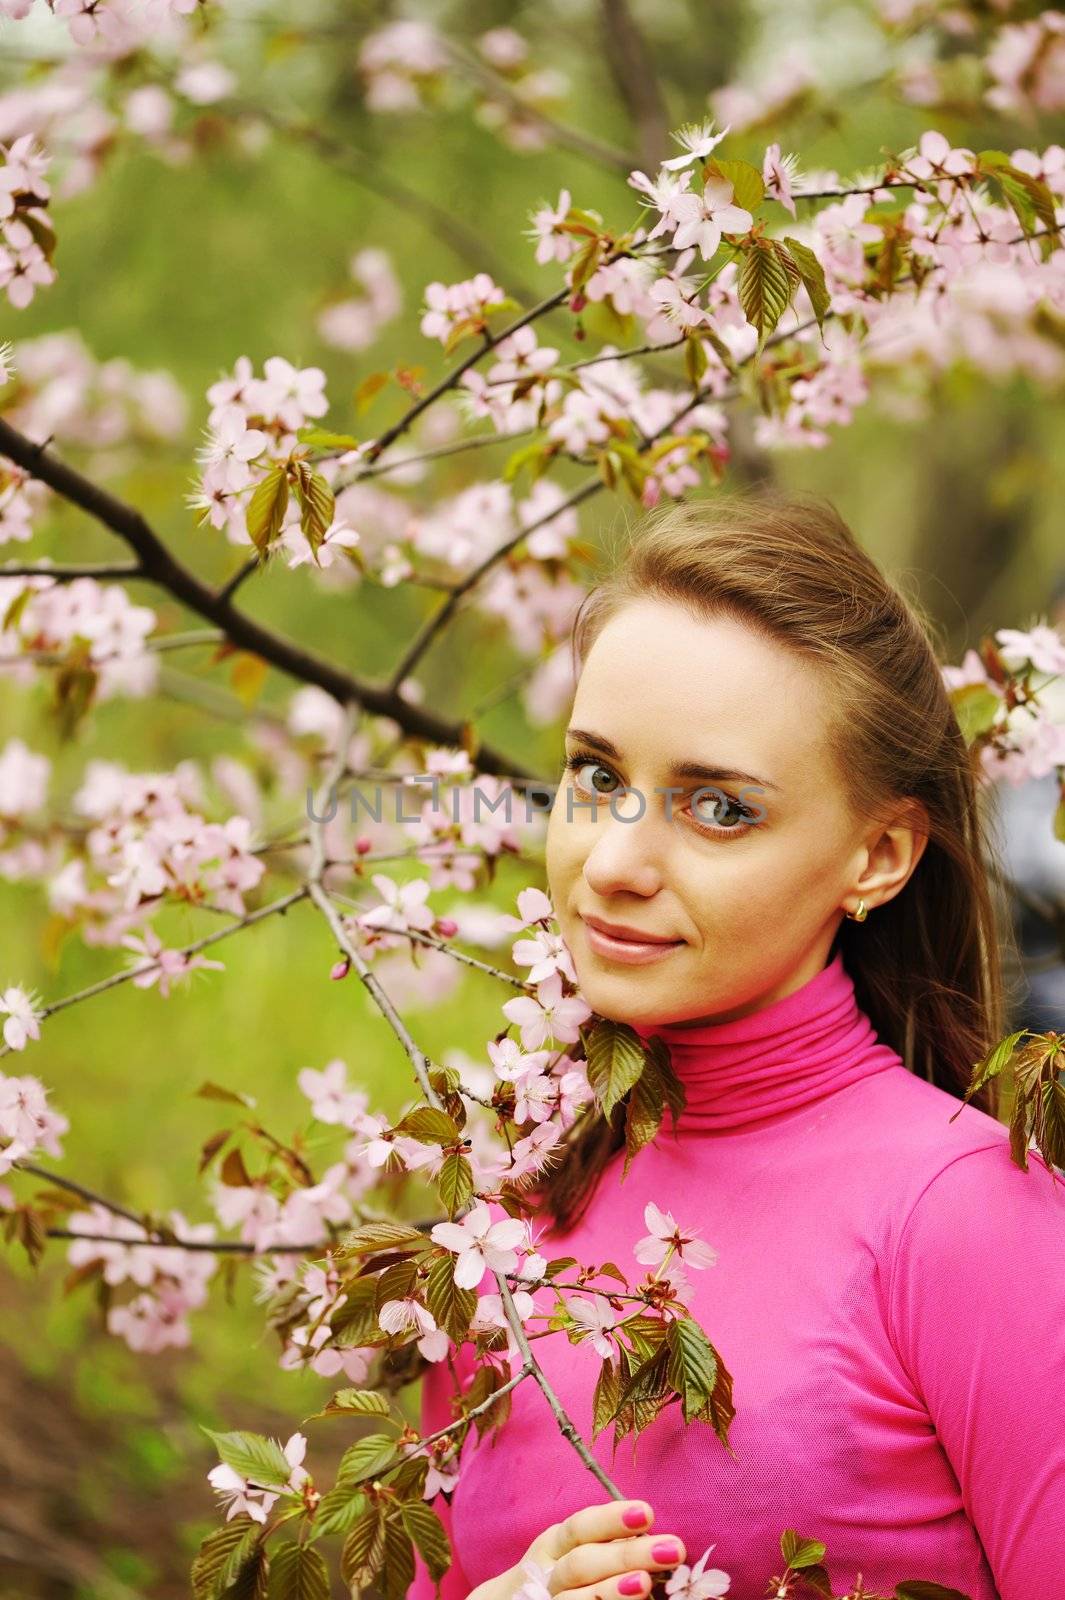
(625, 847)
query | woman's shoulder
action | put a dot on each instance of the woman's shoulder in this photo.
(958, 1178)
(949, 1164)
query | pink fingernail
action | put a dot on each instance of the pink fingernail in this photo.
(633, 1584)
(665, 1551)
(634, 1517)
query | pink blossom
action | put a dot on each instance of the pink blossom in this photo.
(551, 1015)
(666, 1239)
(777, 174)
(480, 1244)
(544, 954)
(331, 1099)
(449, 304)
(232, 446)
(23, 1017)
(27, 1121)
(704, 218)
(1027, 64)
(535, 1584)
(551, 244)
(599, 1317)
(512, 1063)
(972, 670)
(668, 194)
(168, 965)
(290, 395)
(698, 140)
(695, 1582)
(1042, 645)
(23, 779)
(23, 265)
(403, 906)
(443, 1471)
(678, 298)
(936, 159)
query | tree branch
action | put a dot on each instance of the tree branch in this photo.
(633, 70)
(163, 568)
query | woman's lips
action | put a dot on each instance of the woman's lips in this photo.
(631, 952)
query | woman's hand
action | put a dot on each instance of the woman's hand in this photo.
(594, 1554)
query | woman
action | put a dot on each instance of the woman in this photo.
(889, 1288)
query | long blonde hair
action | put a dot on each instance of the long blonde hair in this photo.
(926, 966)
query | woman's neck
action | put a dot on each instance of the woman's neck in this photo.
(803, 1047)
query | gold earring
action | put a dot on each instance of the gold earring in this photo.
(860, 914)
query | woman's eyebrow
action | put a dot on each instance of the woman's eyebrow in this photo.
(679, 769)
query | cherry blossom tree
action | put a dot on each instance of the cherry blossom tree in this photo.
(734, 289)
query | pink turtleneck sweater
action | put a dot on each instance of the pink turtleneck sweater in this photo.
(889, 1296)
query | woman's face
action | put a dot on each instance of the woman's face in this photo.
(751, 906)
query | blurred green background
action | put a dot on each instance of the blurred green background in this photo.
(186, 268)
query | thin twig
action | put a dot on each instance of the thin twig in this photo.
(420, 1066)
(276, 907)
(67, 574)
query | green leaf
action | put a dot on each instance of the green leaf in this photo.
(606, 1397)
(266, 509)
(317, 505)
(991, 1065)
(366, 1457)
(261, 1461)
(355, 1322)
(339, 1509)
(298, 1573)
(364, 1549)
(324, 439)
(427, 1531)
(535, 456)
(748, 185)
(390, 1237)
(399, 1560)
(215, 1091)
(764, 288)
(692, 1364)
(976, 708)
(397, 1282)
(1059, 821)
(586, 264)
(694, 359)
(1050, 1133)
(643, 1114)
(921, 1589)
(1020, 1130)
(799, 1552)
(451, 1307)
(615, 1061)
(368, 390)
(221, 1555)
(1028, 196)
(429, 1125)
(812, 274)
(252, 1579)
(487, 1380)
(357, 1402)
(455, 1183)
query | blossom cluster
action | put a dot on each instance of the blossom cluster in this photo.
(25, 232)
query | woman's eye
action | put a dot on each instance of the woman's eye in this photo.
(713, 810)
(578, 765)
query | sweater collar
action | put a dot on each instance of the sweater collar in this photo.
(798, 1049)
